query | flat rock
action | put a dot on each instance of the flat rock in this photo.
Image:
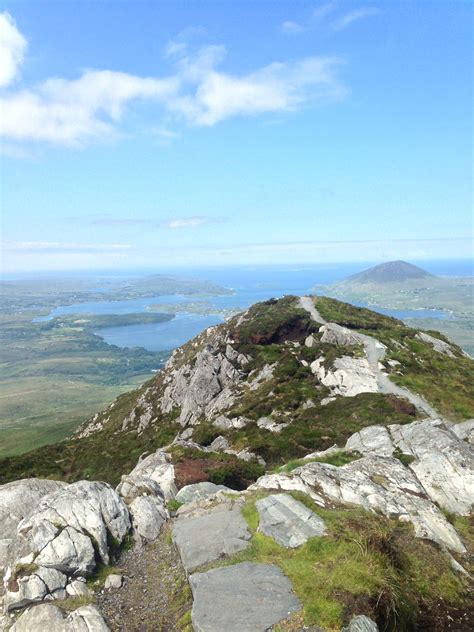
(245, 597)
(211, 535)
(200, 491)
(288, 521)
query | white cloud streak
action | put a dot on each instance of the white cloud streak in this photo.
(12, 49)
(291, 27)
(353, 16)
(60, 247)
(75, 112)
(191, 222)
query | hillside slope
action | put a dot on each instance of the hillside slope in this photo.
(273, 382)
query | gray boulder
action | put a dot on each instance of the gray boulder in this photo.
(464, 430)
(215, 533)
(42, 583)
(245, 597)
(361, 623)
(71, 526)
(200, 491)
(113, 581)
(152, 475)
(288, 521)
(18, 500)
(148, 514)
(49, 618)
(438, 345)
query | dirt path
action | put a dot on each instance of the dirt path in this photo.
(375, 353)
(155, 594)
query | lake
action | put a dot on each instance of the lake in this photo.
(250, 285)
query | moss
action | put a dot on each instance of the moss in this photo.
(406, 459)
(102, 571)
(185, 623)
(72, 603)
(173, 505)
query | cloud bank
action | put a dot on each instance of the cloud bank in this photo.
(12, 49)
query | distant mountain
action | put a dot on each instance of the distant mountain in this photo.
(389, 272)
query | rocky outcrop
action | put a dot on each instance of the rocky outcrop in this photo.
(49, 618)
(443, 464)
(375, 483)
(153, 474)
(288, 521)
(347, 377)
(438, 345)
(18, 500)
(206, 386)
(65, 537)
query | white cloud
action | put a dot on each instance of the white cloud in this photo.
(353, 16)
(191, 222)
(291, 27)
(55, 246)
(324, 10)
(70, 112)
(12, 49)
(73, 112)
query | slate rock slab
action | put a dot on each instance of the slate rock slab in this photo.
(288, 521)
(200, 491)
(205, 538)
(241, 598)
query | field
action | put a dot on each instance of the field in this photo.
(54, 374)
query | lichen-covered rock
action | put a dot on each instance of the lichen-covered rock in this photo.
(42, 583)
(377, 484)
(361, 623)
(200, 491)
(241, 598)
(443, 463)
(148, 515)
(49, 618)
(72, 526)
(152, 475)
(438, 345)
(18, 500)
(203, 538)
(337, 335)
(288, 521)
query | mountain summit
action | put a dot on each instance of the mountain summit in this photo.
(389, 272)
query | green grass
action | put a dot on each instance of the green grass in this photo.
(317, 428)
(366, 563)
(336, 458)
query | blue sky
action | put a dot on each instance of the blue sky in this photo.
(141, 133)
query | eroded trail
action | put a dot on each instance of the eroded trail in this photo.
(375, 353)
(155, 595)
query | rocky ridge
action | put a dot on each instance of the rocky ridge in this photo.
(57, 536)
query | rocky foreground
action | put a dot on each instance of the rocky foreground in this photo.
(365, 535)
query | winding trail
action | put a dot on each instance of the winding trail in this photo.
(375, 353)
